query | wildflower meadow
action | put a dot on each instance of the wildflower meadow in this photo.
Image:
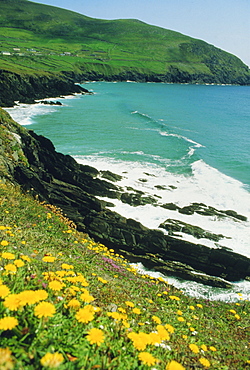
(68, 302)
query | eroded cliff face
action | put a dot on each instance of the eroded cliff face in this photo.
(28, 88)
(31, 161)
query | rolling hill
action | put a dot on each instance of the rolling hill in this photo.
(41, 40)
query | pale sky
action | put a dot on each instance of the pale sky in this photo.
(223, 23)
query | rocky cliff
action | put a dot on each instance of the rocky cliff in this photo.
(31, 161)
(28, 88)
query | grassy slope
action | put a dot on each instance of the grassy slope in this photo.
(38, 240)
(98, 45)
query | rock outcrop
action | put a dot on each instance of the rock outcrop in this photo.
(28, 88)
(30, 160)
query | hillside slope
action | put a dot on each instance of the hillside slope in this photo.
(37, 39)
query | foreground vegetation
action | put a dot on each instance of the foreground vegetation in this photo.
(67, 302)
(39, 39)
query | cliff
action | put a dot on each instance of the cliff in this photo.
(31, 161)
(28, 88)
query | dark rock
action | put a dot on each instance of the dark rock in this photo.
(111, 176)
(170, 206)
(178, 226)
(137, 199)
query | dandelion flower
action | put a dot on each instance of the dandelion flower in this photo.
(4, 243)
(174, 365)
(10, 267)
(204, 347)
(86, 297)
(28, 297)
(212, 348)
(147, 359)
(8, 256)
(156, 319)
(95, 336)
(137, 311)
(130, 304)
(5, 359)
(102, 280)
(19, 263)
(44, 309)
(85, 314)
(25, 258)
(74, 303)
(4, 291)
(174, 297)
(194, 348)
(65, 266)
(140, 340)
(199, 305)
(181, 319)
(8, 323)
(162, 332)
(56, 285)
(48, 259)
(169, 328)
(12, 302)
(52, 360)
(204, 362)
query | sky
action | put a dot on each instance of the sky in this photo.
(223, 23)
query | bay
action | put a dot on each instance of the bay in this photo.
(182, 143)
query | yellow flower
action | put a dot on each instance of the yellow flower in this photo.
(147, 359)
(237, 316)
(65, 266)
(8, 323)
(48, 259)
(140, 340)
(4, 291)
(12, 302)
(174, 365)
(56, 285)
(162, 332)
(86, 297)
(25, 258)
(10, 267)
(204, 362)
(156, 319)
(44, 309)
(232, 311)
(204, 347)
(52, 360)
(179, 312)
(102, 280)
(180, 318)
(212, 348)
(5, 359)
(85, 314)
(136, 311)
(4, 243)
(8, 256)
(19, 263)
(74, 303)
(129, 304)
(199, 305)
(173, 297)
(117, 315)
(191, 307)
(194, 348)
(95, 336)
(170, 328)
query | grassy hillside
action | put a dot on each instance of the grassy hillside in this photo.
(36, 38)
(70, 303)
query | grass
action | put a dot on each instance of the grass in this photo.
(68, 302)
(42, 34)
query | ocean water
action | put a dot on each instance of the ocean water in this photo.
(193, 140)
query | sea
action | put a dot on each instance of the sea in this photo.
(181, 143)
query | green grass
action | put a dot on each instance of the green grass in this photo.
(116, 45)
(42, 252)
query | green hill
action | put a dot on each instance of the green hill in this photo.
(40, 39)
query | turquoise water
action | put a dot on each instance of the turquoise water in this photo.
(168, 124)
